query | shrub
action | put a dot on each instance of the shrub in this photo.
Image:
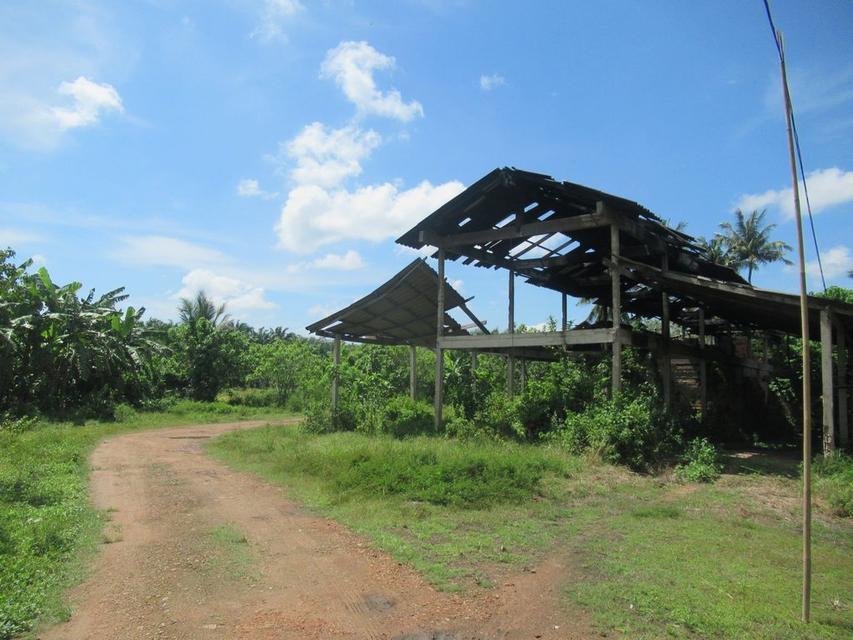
(320, 419)
(499, 417)
(124, 413)
(834, 479)
(402, 417)
(634, 432)
(249, 397)
(700, 462)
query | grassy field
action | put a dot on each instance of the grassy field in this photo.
(652, 558)
(48, 527)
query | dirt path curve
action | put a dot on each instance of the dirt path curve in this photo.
(162, 575)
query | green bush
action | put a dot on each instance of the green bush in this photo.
(402, 417)
(700, 462)
(249, 397)
(499, 417)
(834, 480)
(633, 432)
(320, 419)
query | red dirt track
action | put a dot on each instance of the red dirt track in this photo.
(311, 579)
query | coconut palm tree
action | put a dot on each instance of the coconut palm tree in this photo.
(718, 251)
(750, 244)
(193, 309)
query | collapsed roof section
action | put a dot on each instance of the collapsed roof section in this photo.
(557, 235)
(404, 310)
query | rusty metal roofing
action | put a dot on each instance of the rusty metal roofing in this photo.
(401, 311)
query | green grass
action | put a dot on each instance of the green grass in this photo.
(229, 553)
(48, 527)
(652, 558)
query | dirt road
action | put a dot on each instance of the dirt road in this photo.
(273, 571)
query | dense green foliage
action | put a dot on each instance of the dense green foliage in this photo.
(59, 352)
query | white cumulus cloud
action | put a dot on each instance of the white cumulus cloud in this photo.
(236, 294)
(352, 65)
(837, 261)
(827, 188)
(90, 100)
(314, 216)
(491, 81)
(326, 156)
(250, 188)
(349, 261)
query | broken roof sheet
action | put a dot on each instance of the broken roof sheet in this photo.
(502, 204)
(401, 311)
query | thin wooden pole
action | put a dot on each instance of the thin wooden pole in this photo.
(804, 324)
(827, 386)
(843, 433)
(523, 376)
(413, 372)
(510, 362)
(336, 374)
(439, 353)
(616, 309)
(703, 366)
(565, 323)
(666, 371)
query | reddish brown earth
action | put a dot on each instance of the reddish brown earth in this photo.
(159, 575)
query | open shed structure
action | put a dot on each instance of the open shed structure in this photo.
(588, 244)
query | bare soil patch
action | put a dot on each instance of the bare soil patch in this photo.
(160, 575)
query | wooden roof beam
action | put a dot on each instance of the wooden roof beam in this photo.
(510, 232)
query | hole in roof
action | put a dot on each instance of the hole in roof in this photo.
(547, 214)
(464, 222)
(530, 206)
(505, 221)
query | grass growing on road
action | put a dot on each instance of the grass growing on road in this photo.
(652, 558)
(47, 524)
(228, 552)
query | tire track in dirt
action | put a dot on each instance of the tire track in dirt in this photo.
(311, 577)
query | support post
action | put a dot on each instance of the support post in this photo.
(616, 309)
(843, 422)
(565, 324)
(413, 371)
(703, 367)
(827, 386)
(523, 376)
(666, 360)
(510, 361)
(439, 354)
(336, 374)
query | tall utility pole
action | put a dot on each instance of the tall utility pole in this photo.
(804, 321)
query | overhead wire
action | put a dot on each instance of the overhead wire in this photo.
(797, 146)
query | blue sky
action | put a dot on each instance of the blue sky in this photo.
(269, 151)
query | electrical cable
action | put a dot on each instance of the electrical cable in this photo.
(797, 145)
